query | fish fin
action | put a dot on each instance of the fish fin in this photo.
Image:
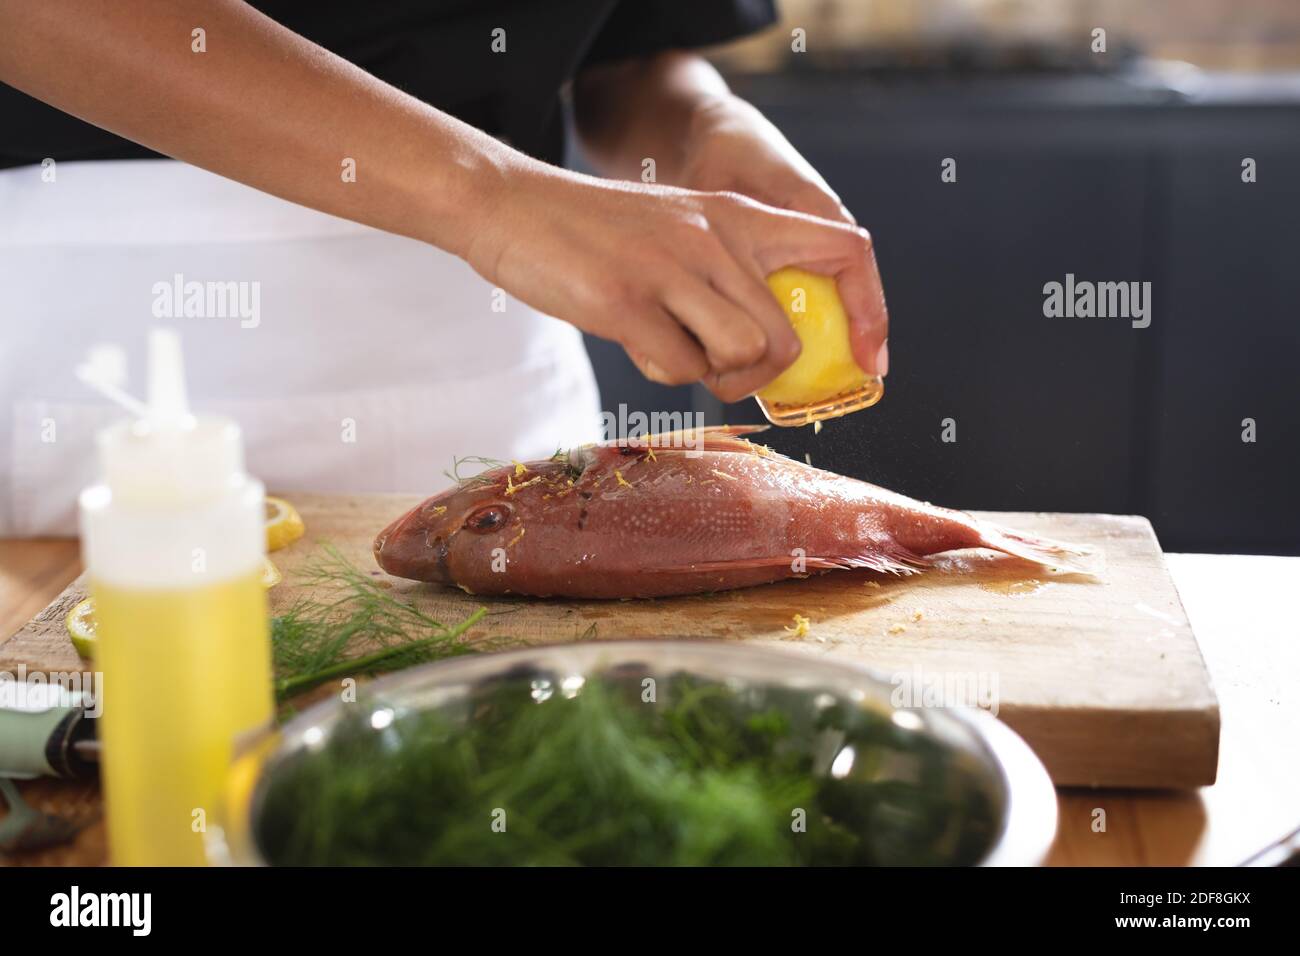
(1056, 555)
(899, 561)
(710, 431)
(710, 438)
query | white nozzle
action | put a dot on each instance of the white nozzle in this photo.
(167, 401)
(105, 371)
(165, 455)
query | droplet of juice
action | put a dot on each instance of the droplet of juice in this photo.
(1014, 588)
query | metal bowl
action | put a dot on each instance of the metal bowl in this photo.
(944, 785)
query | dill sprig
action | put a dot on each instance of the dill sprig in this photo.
(491, 464)
(488, 464)
(354, 626)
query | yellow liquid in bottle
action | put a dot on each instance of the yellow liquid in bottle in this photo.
(824, 381)
(185, 671)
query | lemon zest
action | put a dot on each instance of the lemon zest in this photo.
(800, 628)
(512, 488)
(621, 480)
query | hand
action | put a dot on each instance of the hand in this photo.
(732, 146)
(677, 277)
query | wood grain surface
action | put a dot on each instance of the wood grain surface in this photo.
(1101, 676)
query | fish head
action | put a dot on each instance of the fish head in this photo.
(452, 537)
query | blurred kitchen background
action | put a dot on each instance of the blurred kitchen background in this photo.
(1116, 166)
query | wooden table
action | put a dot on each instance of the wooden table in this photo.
(1240, 607)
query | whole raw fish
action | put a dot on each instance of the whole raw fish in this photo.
(654, 516)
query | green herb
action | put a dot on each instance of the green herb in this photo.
(572, 470)
(490, 464)
(517, 771)
(481, 478)
(322, 638)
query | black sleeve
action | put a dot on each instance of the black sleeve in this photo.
(642, 27)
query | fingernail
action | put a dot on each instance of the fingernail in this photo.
(882, 359)
(653, 371)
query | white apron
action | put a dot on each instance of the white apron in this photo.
(354, 360)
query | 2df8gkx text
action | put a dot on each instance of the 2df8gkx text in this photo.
(1176, 897)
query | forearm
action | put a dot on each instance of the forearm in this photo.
(262, 106)
(645, 109)
(673, 275)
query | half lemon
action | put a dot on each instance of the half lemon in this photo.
(283, 524)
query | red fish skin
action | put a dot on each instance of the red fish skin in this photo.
(621, 521)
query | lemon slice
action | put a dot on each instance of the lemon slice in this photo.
(82, 627)
(283, 524)
(271, 575)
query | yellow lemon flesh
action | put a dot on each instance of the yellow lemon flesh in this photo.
(283, 524)
(84, 630)
(825, 368)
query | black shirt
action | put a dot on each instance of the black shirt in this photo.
(441, 52)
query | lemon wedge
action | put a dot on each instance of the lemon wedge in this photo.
(271, 575)
(82, 628)
(283, 524)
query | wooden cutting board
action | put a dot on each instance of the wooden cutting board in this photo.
(1102, 677)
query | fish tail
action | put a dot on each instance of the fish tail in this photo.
(1053, 554)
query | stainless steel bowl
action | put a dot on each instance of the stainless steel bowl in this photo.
(978, 757)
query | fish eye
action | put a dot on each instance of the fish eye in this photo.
(487, 519)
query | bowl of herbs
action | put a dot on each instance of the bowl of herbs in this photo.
(649, 753)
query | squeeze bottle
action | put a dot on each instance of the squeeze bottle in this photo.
(173, 540)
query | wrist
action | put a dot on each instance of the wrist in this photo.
(504, 195)
(463, 189)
